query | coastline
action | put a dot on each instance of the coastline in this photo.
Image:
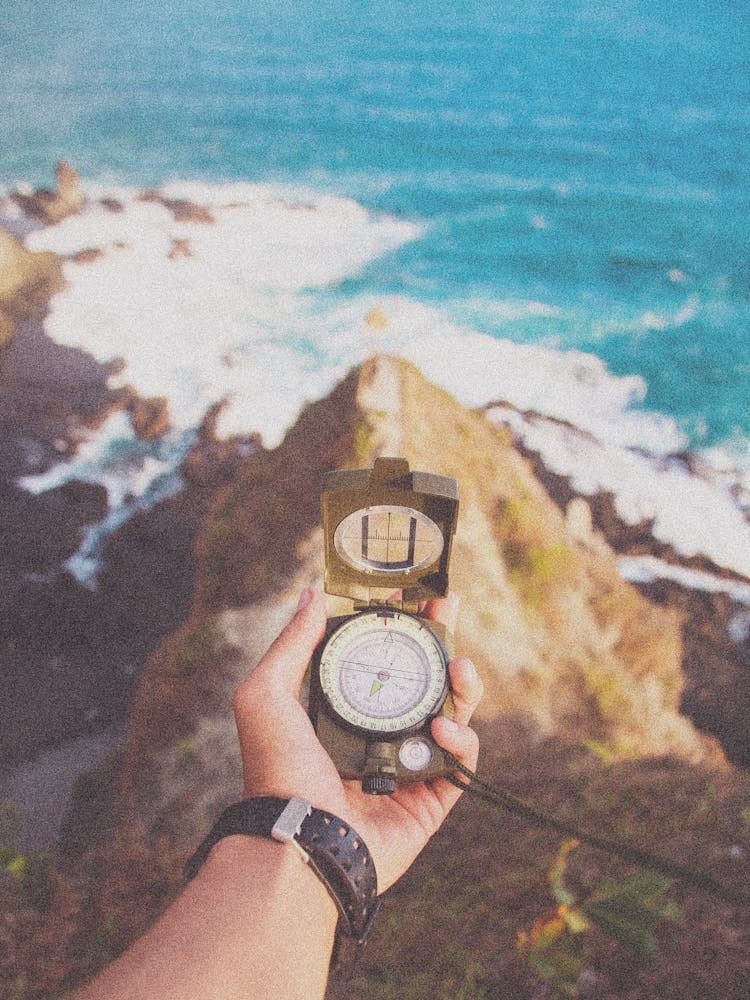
(83, 647)
(155, 548)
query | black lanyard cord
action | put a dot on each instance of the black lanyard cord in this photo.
(507, 800)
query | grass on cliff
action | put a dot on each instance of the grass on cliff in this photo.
(451, 927)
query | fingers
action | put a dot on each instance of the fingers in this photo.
(463, 743)
(455, 735)
(467, 688)
(443, 610)
(287, 658)
(459, 740)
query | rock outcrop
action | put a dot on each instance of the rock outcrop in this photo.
(559, 638)
(583, 678)
(149, 417)
(52, 207)
(26, 282)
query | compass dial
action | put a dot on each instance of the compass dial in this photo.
(388, 538)
(384, 671)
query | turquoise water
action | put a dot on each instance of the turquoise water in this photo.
(592, 158)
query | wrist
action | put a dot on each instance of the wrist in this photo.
(247, 862)
(331, 849)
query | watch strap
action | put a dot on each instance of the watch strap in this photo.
(333, 849)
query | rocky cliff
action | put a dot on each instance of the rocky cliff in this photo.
(559, 638)
(583, 679)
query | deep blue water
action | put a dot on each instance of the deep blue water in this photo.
(590, 156)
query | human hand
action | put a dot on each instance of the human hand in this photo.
(281, 753)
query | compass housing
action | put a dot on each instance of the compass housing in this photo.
(388, 533)
(381, 759)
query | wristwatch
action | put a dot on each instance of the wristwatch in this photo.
(331, 847)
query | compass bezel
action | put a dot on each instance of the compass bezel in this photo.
(407, 722)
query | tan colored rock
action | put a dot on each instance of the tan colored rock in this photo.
(26, 282)
(149, 417)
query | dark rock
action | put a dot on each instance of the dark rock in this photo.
(49, 395)
(38, 532)
(52, 207)
(716, 666)
(68, 655)
(87, 256)
(181, 209)
(59, 677)
(87, 502)
(211, 461)
(112, 204)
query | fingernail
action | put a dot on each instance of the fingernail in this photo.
(450, 725)
(305, 597)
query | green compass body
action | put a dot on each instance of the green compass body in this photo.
(380, 674)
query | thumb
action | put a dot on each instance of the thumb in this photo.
(286, 660)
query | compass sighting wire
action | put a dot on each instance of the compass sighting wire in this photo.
(504, 799)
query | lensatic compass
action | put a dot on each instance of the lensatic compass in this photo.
(380, 674)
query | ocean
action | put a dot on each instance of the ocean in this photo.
(547, 205)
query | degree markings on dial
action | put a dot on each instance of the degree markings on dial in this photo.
(373, 693)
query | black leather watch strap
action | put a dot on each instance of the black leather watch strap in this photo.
(332, 848)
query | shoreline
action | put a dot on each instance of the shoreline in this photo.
(84, 649)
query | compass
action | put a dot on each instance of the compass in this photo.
(380, 674)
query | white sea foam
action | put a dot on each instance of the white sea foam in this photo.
(646, 569)
(244, 308)
(202, 311)
(89, 459)
(113, 457)
(693, 508)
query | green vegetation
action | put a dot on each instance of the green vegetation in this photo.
(450, 927)
(604, 689)
(219, 544)
(200, 647)
(363, 440)
(534, 569)
(562, 941)
(23, 876)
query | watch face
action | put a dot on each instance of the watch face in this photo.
(384, 671)
(388, 538)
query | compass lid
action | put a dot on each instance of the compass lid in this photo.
(388, 528)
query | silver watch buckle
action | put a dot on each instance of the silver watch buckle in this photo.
(289, 824)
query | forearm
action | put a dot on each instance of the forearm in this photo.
(255, 922)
